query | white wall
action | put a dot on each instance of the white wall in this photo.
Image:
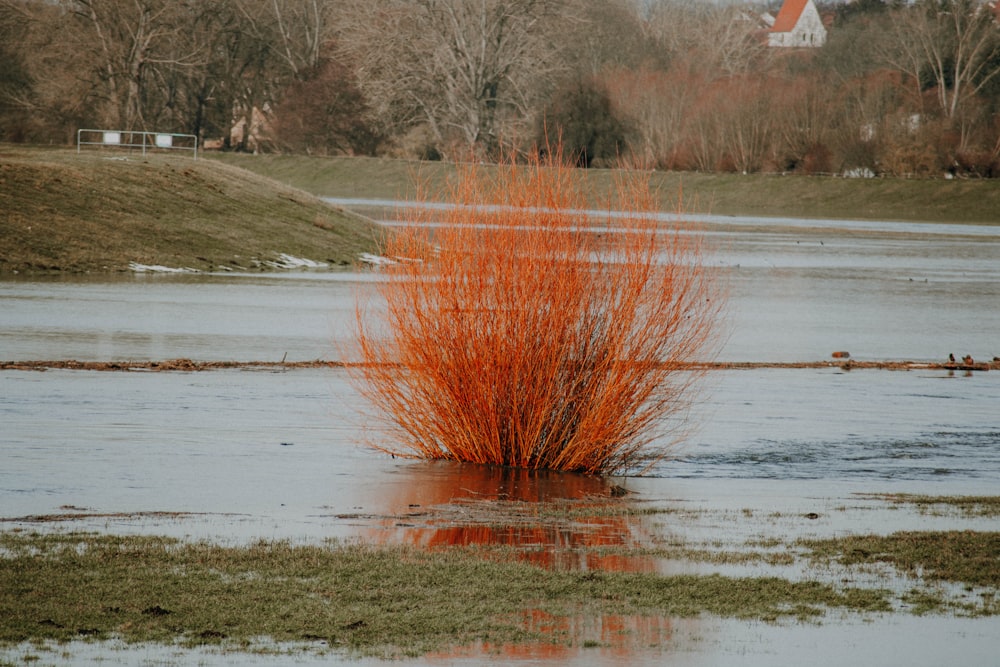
(808, 32)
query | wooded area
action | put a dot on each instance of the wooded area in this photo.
(898, 88)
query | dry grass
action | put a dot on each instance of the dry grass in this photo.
(515, 334)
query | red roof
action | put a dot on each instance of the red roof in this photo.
(789, 15)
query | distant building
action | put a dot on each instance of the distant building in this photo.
(798, 24)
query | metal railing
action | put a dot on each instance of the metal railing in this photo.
(137, 140)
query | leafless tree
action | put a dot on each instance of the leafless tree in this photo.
(805, 111)
(748, 123)
(15, 81)
(720, 38)
(57, 93)
(607, 34)
(655, 103)
(131, 40)
(951, 46)
(471, 70)
(303, 29)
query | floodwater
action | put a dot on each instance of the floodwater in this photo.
(237, 455)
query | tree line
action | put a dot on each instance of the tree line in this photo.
(899, 88)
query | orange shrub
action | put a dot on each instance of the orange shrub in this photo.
(520, 332)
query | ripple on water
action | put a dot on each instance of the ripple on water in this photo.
(966, 455)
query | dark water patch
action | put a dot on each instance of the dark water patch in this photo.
(970, 455)
(937, 397)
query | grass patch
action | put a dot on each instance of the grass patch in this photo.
(968, 557)
(926, 200)
(726, 557)
(372, 600)
(956, 571)
(971, 506)
(72, 212)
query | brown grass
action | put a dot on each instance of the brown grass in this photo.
(518, 333)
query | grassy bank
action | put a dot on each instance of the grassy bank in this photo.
(965, 201)
(99, 212)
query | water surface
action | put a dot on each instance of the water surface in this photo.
(238, 455)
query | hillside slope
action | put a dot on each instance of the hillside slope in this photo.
(100, 212)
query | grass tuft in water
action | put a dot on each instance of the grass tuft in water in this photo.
(969, 557)
(974, 506)
(950, 557)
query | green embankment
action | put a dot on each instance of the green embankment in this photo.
(927, 200)
(99, 211)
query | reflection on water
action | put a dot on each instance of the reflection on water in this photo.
(612, 639)
(551, 519)
(914, 641)
(275, 455)
(449, 482)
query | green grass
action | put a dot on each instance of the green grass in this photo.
(90, 213)
(372, 600)
(966, 557)
(984, 506)
(966, 200)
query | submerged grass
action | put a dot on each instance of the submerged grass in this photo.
(976, 506)
(967, 557)
(387, 600)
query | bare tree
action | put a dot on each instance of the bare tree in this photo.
(15, 81)
(303, 28)
(805, 110)
(655, 104)
(606, 34)
(471, 70)
(731, 126)
(188, 65)
(704, 139)
(56, 92)
(132, 39)
(748, 125)
(720, 38)
(951, 46)
(325, 113)
(256, 49)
